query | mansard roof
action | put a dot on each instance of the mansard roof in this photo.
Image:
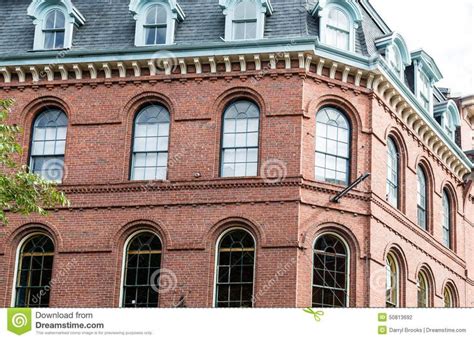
(110, 25)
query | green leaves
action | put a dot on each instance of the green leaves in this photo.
(21, 191)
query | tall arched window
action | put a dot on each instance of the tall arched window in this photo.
(54, 29)
(447, 219)
(393, 168)
(338, 29)
(450, 127)
(235, 269)
(142, 270)
(35, 267)
(240, 140)
(423, 290)
(48, 145)
(392, 282)
(332, 159)
(449, 296)
(244, 24)
(422, 200)
(150, 144)
(155, 25)
(330, 272)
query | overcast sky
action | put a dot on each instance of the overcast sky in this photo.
(444, 29)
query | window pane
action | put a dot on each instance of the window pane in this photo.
(251, 30)
(235, 267)
(332, 146)
(239, 30)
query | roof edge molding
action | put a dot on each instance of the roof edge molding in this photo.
(396, 39)
(267, 7)
(37, 7)
(427, 64)
(136, 7)
(448, 108)
(349, 5)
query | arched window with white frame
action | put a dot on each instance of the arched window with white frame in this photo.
(330, 272)
(423, 290)
(338, 29)
(155, 25)
(393, 173)
(48, 145)
(244, 23)
(54, 30)
(447, 220)
(395, 59)
(422, 198)
(150, 143)
(240, 139)
(332, 151)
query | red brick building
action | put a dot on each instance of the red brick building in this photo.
(201, 145)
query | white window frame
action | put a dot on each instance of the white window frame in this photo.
(325, 22)
(391, 55)
(38, 10)
(139, 9)
(263, 8)
(422, 79)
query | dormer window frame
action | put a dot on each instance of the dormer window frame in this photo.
(448, 116)
(140, 9)
(392, 46)
(39, 10)
(323, 8)
(263, 8)
(425, 72)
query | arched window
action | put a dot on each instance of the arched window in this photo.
(450, 127)
(35, 266)
(150, 144)
(423, 290)
(240, 140)
(54, 30)
(330, 272)
(447, 219)
(155, 25)
(48, 145)
(393, 168)
(142, 270)
(422, 200)
(449, 296)
(395, 59)
(338, 29)
(244, 23)
(392, 282)
(332, 159)
(235, 269)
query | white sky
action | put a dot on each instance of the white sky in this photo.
(444, 29)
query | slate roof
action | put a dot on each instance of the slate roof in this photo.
(110, 25)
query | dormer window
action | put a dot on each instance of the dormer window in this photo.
(339, 20)
(393, 47)
(426, 73)
(338, 29)
(448, 116)
(54, 30)
(54, 22)
(244, 24)
(155, 21)
(155, 25)
(424, 93)
(245, 19)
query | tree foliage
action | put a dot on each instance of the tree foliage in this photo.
(21, 191)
